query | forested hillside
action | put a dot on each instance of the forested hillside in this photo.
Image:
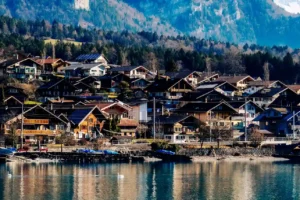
(149, 49)
(239, 21)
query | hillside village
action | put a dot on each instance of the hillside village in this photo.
(88, 98)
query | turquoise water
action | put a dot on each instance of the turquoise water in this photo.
(219, 180)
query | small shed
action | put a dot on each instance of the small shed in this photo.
(121, 140)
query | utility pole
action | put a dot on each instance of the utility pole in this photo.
(22, 125)
(210, 126)
(294, 134)
(154, 117)
(246, 119)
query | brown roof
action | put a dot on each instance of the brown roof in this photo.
(260, 83)
(295, 88)
(128, 122)
(233, 79)
(47, 61)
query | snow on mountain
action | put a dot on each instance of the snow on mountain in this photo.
(291, 6)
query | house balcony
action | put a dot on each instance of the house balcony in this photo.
(39, 132)
(179, 90)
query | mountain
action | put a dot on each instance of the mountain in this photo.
(291, 6)
(265, 22)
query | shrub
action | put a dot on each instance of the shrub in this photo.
(26, 148)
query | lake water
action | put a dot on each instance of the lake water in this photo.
(215, 180)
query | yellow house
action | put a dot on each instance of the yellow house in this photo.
(86, 122)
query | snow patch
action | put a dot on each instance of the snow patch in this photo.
(291, 6)
(82, 4)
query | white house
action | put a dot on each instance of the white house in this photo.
(83, 70)
(134, 71)
(254, 86)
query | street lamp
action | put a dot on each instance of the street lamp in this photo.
(22, 116)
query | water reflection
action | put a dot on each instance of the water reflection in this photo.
(218, 180)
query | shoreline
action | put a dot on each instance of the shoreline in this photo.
(199, 159)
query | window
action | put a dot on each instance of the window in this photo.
(221, 123)
(168, 137)
(91, 120)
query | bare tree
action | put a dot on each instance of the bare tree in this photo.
(266, 71)
(151, 62)
(208, 65)
(232, 63)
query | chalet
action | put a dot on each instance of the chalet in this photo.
(113, 110)
(175, 128)
(218, 114)
(133, 71)
(9, 91)
(52, 65)
(40, 125)
(207, 77)
(240, 82)
(252, 111)
(279, 121)
(86, 122)
(24, 70)
(255, 86)
(169, 88)
(192, 77)
(91, 81)
(109, 81)
(265, 97)
(83, 70)
(204, 95)
(223, 87)
(92, 58)
(57, 88)
(128, 127)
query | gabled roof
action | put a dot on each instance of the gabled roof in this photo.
(204, 107)
(181, 74)
(196, 95)
(27, 112)
(50, 84)
(126, 68)
(84, 66)
(285, 114)
(48, 61)
(163, 85)
(20, 61)
(268, 92)
(84, 57)
(204, 76)
(234, 79)
(214, 84)
(80, 114)
(295, 88)
(240, 104)
(263, 83)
